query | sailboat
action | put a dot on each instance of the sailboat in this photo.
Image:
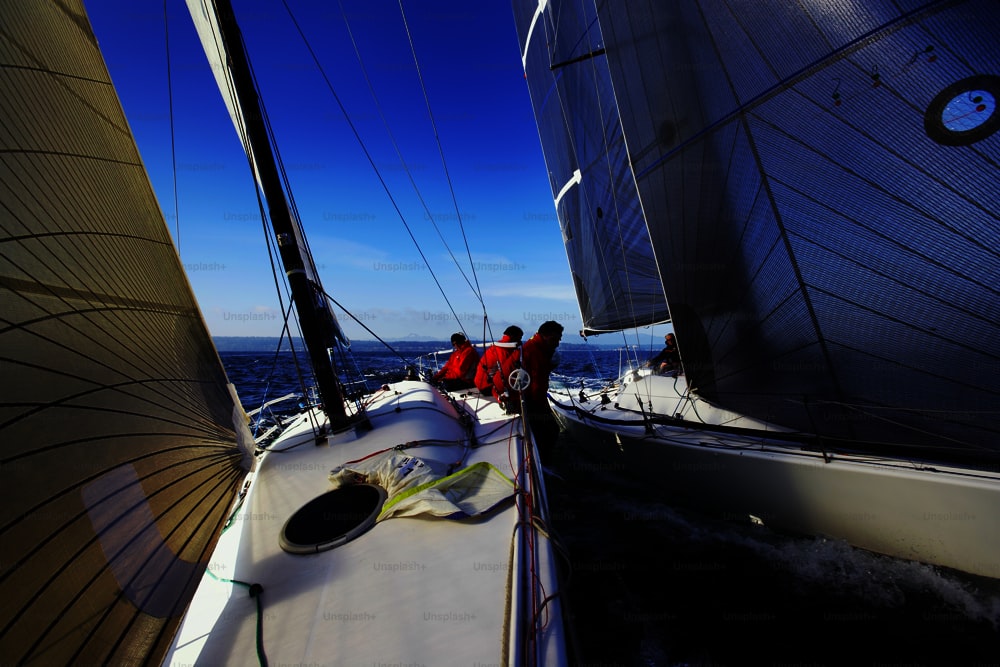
(807, 194)
(142, 522)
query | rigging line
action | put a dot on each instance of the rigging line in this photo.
(444, 163)
(241, 131)
(287, 312)
(254, 591)
(274, 361)
(300, 376)
(365, 327)
(261, 206)
(173, 129)
(399, 154)
(616, 123)
(278, 282)
(554, 89)
(566, 115)
(371, 162)
(248, 152)
(301, 240)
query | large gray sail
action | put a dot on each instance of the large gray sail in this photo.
(117, 430)
(607, 244)
(820, 182)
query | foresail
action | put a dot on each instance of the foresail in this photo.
(821, 186)
(608, 247)
(117, 430)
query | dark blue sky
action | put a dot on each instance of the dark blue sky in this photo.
(470, 64)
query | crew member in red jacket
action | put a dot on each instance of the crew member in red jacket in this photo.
(498, 361)
(536, 359)
(460, 369)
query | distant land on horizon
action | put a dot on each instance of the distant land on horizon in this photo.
(269, 344)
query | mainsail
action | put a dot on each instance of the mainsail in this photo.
(820, 186)
(119, 436)
(610, 255)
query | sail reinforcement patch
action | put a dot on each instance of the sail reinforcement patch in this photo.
(332, 519)
(965, 112)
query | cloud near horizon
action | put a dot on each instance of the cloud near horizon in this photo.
(555, 291)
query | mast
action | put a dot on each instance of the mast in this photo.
(319, 327)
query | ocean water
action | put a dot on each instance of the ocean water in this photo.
(650, 584)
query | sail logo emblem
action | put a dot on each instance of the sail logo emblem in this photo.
(964, 112)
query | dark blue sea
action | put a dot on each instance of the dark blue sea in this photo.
(651, 584)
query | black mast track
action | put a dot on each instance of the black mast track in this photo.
(315, 318)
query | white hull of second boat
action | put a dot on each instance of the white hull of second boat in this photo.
(411, 590)
(940, 515)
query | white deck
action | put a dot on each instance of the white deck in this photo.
(420, 591)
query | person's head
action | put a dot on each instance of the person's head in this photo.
(457, 338)
(514, 333)
(669, 339)
(552, 331)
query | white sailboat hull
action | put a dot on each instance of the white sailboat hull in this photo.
(945, 516)
(411, 590)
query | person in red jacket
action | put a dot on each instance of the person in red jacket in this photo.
(536, 359)
(460, 369)
(498, 361)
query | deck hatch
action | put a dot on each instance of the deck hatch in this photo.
(332, 519)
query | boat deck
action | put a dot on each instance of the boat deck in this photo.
(412, 590)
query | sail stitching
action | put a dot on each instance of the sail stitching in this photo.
(803, 73)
